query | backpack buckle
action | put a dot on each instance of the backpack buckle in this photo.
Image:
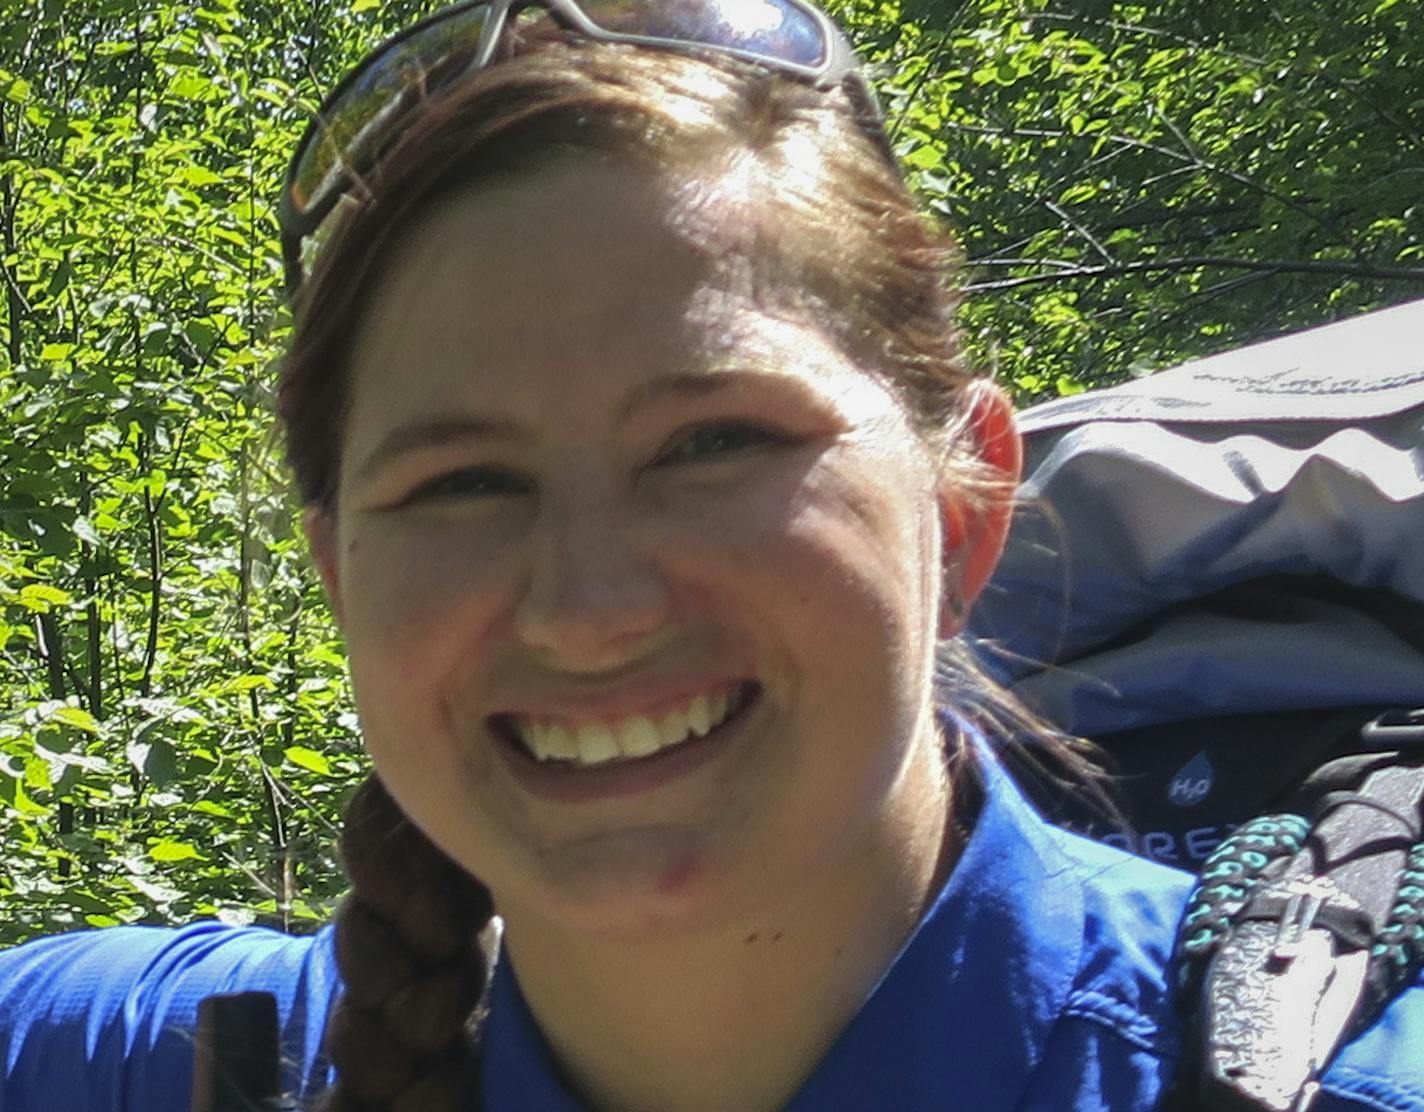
(1278, 996)
(1304, 900)
(1395, 729)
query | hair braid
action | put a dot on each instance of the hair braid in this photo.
(409, 950)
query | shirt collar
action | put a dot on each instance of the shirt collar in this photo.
(962, 1013)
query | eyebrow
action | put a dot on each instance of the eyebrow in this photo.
(686, 384)
(435, 432)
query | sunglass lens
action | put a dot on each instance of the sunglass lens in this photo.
(356, 121)
(773, 29)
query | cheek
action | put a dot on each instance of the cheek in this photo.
(420, 596)
(829, 530)
(829, 562)
(421, 602)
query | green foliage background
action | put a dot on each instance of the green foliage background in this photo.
(1132, 184)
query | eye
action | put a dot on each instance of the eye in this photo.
(469, 482)
(716, 439)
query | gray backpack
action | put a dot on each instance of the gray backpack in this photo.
(1217, 574)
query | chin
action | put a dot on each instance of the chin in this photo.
(632, 883)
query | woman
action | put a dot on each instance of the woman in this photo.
(644, 477)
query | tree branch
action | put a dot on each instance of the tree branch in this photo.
(1127, 142)
(15, 305)
(1149, 32)
(1201, 262)
(154, 540)
(1081, 228)
(910, 97)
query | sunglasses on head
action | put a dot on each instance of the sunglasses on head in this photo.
(363, 114)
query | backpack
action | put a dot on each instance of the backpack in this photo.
(1217, 575)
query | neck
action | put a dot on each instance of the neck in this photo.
(650, 1024)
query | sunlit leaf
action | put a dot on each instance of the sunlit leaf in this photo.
(308, 759)
(174, 851)
(77, 717)
(42, 596)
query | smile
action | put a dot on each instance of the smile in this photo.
(590, 743)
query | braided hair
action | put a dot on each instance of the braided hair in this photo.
(409, 944)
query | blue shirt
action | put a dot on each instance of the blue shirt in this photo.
(1035, 982)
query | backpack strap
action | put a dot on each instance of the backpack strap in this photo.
(1298, 934)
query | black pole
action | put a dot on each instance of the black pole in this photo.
(235, 1059)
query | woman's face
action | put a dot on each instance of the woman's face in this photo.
(601, 494)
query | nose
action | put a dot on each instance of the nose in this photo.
(591, 600)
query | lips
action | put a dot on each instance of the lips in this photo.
(568, 782)
(576, 742)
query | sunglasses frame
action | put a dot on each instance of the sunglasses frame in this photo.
(839, 66)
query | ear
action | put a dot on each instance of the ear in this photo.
(319, 522)
(976, 526)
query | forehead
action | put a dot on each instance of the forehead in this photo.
(585, 275)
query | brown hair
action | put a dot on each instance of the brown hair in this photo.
(850, 240)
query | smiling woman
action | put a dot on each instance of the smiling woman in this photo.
(648, 505)
(651, 494)
(619, 519)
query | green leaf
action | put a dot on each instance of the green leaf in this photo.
(190, 86)
(924, 158)
(77, 717)
(174, 851)
(249, 682)
(199, 176)
(83, 900)
(17, 89)
(22, 801)
(39, 774)
(324, 654)
(42, 597)
(308, 759)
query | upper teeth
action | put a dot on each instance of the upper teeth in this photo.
(595, 742)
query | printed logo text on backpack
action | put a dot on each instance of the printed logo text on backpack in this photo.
(1192, 783)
